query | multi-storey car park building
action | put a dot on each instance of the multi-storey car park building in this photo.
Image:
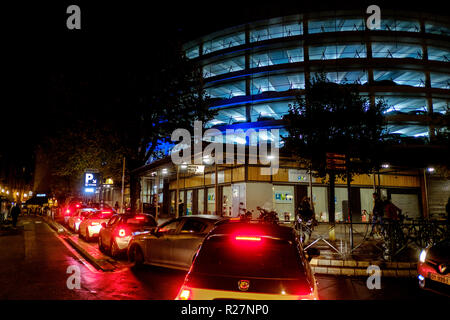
(254, 71)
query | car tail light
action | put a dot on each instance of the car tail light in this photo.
(122, 233)
(139, 217)
(67, 211)
(95, 223)
(248, 238)
(185, 294)
(77, 205)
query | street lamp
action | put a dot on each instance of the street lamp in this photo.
(430, 169)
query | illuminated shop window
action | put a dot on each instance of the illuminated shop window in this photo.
(339, 51)
(396, 50)
(437, 28)
(401, 77)
(343, 77)
(276, 56)
(227, 90)
(277, 82)
(224, 66)
(441, 105)
(439, 54)
(400, 25)
(225, 42)
(402, 104)
(440, 80)
(280, 30)
(335, 25)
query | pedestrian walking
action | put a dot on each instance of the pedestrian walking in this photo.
(15, 212)
(378, 212)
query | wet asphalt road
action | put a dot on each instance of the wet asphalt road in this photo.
(34, 264)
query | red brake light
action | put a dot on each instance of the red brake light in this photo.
(67, 211)
(122, 233)
(77, 205)
(139, 218)
(185, 294)
(247, 238)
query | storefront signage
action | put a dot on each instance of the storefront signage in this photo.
(296, 175)
(283, 197)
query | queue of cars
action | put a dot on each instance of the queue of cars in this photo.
(225, 258)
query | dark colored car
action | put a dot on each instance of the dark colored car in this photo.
(247, 260)
(115, 235)
(433, 267)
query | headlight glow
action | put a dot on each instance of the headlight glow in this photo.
(423, 255)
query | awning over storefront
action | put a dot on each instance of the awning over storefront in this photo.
(37, 201)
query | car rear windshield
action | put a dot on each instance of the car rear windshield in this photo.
(267, 258)
(101, 215)
(85, 213)
(142, 220)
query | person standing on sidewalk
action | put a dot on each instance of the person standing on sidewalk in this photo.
(15, 212)
(378, 211)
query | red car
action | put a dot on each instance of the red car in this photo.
(434, 267)
(70, 209)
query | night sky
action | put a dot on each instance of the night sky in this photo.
(115, 36)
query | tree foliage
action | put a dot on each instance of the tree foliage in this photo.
(333, 118)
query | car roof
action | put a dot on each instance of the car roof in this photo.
(266, 229)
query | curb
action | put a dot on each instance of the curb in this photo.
(54, 225)
(360, 268)
(98, 264)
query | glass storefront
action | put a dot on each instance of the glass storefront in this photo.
(226, 201)
(211, 201)
(283, 201)
(189, 199)
(201, 201)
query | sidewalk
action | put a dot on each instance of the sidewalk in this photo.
(367, 251)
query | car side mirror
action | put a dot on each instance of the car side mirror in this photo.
(312, 252)
(104, 225)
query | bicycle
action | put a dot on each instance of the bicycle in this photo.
(304, 228)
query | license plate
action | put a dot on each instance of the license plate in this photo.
(440, 278)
